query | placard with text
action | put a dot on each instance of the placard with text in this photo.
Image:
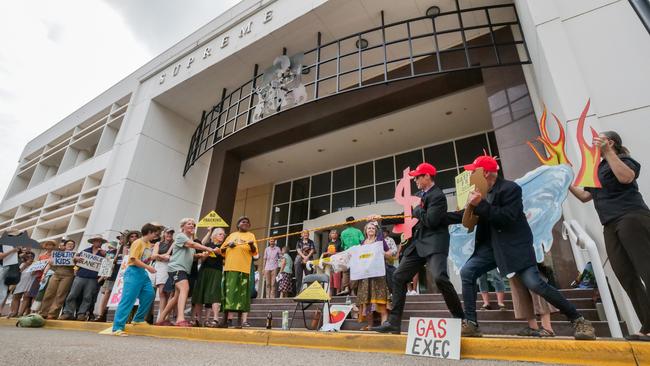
(434, 337)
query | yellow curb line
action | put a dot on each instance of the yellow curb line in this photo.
(566, 351)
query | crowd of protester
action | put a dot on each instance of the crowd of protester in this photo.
(218, 273)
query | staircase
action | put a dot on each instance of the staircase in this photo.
(494, 322)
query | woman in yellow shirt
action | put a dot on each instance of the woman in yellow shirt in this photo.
(238, 250)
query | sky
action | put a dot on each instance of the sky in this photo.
(55, 56)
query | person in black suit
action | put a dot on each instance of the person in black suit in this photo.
(429, 245)
(504, 240)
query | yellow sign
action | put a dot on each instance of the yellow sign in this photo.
(463, 188)
(314, 292)
(212, 220)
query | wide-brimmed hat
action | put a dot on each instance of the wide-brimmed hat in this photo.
(242, 218)
(48, 242)
(96, 237)
(128, 233)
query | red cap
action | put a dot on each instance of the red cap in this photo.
(424, 168)
(488, 163)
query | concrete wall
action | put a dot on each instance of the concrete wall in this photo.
(585, 49)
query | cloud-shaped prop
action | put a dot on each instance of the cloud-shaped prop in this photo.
(543, 189)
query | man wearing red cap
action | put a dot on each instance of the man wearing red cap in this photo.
(504, 240)
(429, 245)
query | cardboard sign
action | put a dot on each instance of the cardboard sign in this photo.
(434, 337)
(463, 188)
(106, 269)
(367, 261)
(338, 314)
(90, 261)
(61, 258)
(37, 266)
(477, 180)
(314, 292)
(212, 220)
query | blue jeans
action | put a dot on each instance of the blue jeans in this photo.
(493, 276)
(137, 285)
(482, 261)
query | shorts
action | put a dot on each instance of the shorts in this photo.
(178, 276)
(108, 285)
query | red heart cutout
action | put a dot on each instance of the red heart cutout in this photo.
(336, 316)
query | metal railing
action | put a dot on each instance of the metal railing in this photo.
(330, 72)
(585, 250)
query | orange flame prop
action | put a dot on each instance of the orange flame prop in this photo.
(588, 174)
(555, 149)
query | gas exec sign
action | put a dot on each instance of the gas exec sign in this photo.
(434, 337)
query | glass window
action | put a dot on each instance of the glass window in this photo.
(343, 179)
(384, 170)
(321, 184)
(319, 206)
(342, 201)
(493, 144)
(441, 156)
(446, 179)
(410, 159)
(280, 215)
(300, 189)
(281, 193)
(385, 191)
(292, 240)
(469, 148)
(365, 175)
(298, 212)
(365, 196)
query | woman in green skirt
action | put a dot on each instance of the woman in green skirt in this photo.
(238, 249)
(207, 289)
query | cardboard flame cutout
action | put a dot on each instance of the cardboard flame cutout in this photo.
(404, 198)
(556, 149)
(590, 155)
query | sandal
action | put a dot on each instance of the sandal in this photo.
(163, 323)
(211, 323)
(528, 332)
(545, 333)
(184, 323)
(502, 306)
(246, 324)
(485, 307)
(365, 328)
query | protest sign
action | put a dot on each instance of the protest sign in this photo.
(463, 187)
(212, 219)
(106, 269)
(118, 287)
(338, 313)
(314, 292)
(37, 266)
(89, 261)
(367, 261)
(434, 337)
(61, 258)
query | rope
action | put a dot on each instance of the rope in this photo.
(328, 227)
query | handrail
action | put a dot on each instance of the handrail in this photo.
(232, 113)
(580, 240)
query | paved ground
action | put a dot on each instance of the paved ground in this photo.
(44, 347)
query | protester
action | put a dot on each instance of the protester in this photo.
(238, 249)
(84, 285)
(429, 245)
(372, 293)
(137, 284)
(113, 255)
(528, 305)
(207, 289)
(626, 221)
(271, 257)
(499, 287)
(350, 237)
(59, 285)
(504, 240)
(4, 270)
(180, 265)
(284, 283)
(334, 247)
(305, 249)
(37, 291)
(161, 255)
(21, 299)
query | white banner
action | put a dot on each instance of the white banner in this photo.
(338, 313)
(118, 287)
(37, 266)
(367, 261)
(90, 261)
(62, 258)
(434, 337)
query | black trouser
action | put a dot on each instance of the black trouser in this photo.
(408, 267)
(628, 246)
(482, 261)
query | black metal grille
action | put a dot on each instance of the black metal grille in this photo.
(325, 72)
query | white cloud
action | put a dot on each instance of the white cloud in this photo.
(56, 56)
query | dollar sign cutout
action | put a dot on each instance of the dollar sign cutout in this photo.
(404, 198)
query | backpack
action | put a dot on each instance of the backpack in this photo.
(30, 321)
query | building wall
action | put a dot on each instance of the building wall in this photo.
(586, 49)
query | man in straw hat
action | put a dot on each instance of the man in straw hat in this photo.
(84, 285)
